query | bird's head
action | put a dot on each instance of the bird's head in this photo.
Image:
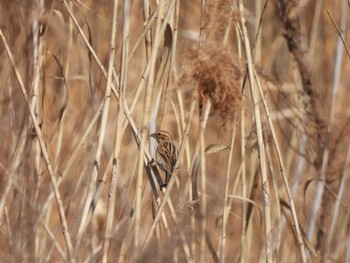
(161, 136)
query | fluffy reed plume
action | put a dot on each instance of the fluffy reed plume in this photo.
(218, 15)
(217, 72)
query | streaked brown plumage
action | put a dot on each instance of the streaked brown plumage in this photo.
(166, 153)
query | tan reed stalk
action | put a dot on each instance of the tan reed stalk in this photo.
(181, 129)
(264, 179)
(341, 30)
(116, 161)
(181, 109)
(257, 25)
(283, 172)
(226, 207)
(277, 241)
(148, 36)
(242, 174)
(243, 177)
(44, 153)
(38, 62)
(203, 205)
(148, 24)
(181, 126)
(38, 43)
(143, 133)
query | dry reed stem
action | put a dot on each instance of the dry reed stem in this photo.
(181, 107)
(38, 44)
(264, 180)
(342, 28)
(116, 165)
(226, 207)
(277, 241)
(44, 153)
(147, 36)
(242, 174)
(203, 204)
(296, 225)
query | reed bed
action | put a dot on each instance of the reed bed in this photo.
(255, 95)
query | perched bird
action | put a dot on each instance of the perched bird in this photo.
(166, 153)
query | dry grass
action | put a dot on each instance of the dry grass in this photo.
(256, 95)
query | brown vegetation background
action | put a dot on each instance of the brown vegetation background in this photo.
(255, 94)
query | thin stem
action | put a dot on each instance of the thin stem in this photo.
(263, 174)
(226, 203)
(116, 168)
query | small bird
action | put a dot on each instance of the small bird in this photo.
(166, 153)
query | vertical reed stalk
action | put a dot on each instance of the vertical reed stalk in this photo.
(116, 161)
(262, 160)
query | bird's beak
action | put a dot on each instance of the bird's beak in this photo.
(153, 135)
